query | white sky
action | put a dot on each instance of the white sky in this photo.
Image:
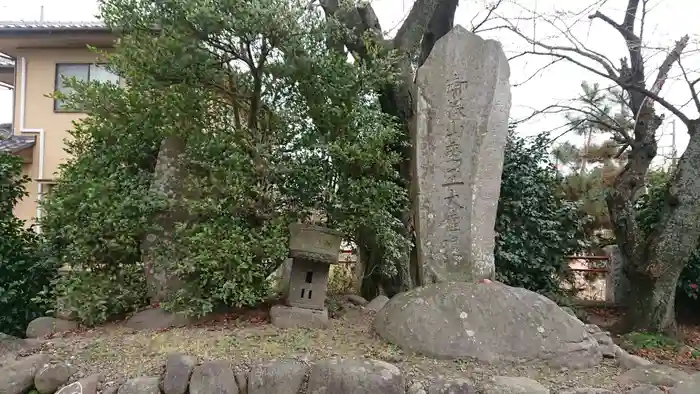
(667, 21)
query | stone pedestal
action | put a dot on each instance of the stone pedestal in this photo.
(616, 283)
(284, 316)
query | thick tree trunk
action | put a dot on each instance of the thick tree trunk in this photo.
(650, 302)
(658, 260)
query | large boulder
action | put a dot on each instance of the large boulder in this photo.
(45, 326)
(490, 322)
(18, 377)
(12, 347)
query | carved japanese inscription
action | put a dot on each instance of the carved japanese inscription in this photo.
(462, 124)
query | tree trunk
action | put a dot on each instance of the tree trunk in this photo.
(650, 302)
(659, 259)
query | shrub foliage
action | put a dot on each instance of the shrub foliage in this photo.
(24, 273)
(536, 226)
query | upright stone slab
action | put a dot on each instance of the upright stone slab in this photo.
(616, 283)
(463, 103)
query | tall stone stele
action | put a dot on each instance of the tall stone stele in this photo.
(312, 249)
(463, 102)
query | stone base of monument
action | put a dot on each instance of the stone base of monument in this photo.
(284, 316)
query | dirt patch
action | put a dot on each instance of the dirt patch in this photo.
(248, 338)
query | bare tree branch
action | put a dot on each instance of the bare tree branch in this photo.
(491, 9)
(691, 85)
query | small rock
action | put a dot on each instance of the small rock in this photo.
(18, 377)
(690, 386)
(88, 385)
(452, 386)
(377, 303)
(655, 375)
(645, 389)
(44, 326)
(156, 319)
(512, 385)
(178, 369)
(213, 377)
(587, 390)
(145, 385)
(51, 377)
(355, 377)
(356, 299)
(630, 361)
(416, 388)
(277, 377)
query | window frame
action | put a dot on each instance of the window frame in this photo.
(57, 83)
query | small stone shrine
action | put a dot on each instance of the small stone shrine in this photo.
(313, 249)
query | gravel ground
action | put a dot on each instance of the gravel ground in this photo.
(119, 353)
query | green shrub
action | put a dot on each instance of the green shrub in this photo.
(536, 227)
(100, 207)
(24, 272)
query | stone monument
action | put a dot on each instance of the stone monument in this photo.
(463, 102)
(616, 283)
(312, 249)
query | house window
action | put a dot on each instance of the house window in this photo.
(82, 72)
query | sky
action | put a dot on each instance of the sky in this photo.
(667, 21)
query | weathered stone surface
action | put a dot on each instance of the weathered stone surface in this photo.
(486, 321)
(463, 102)
(452, 386)
(156, 319)
(355, 377)
(44, 326)
(52, 376)
(587, 390)
(645, 389)
(88, 385)
(377, 303)
(279, 377)
(242, 381)
(512, 385)
(689, 386)
(169, 181)
(356, 299)
(144, 385)
(416, 388)
(178, 369)
(655, 375)
(616, 283)
(213, 377)
(280, 278)
(18, 377)
(629, 361)
(283, 316)
(11, 347)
